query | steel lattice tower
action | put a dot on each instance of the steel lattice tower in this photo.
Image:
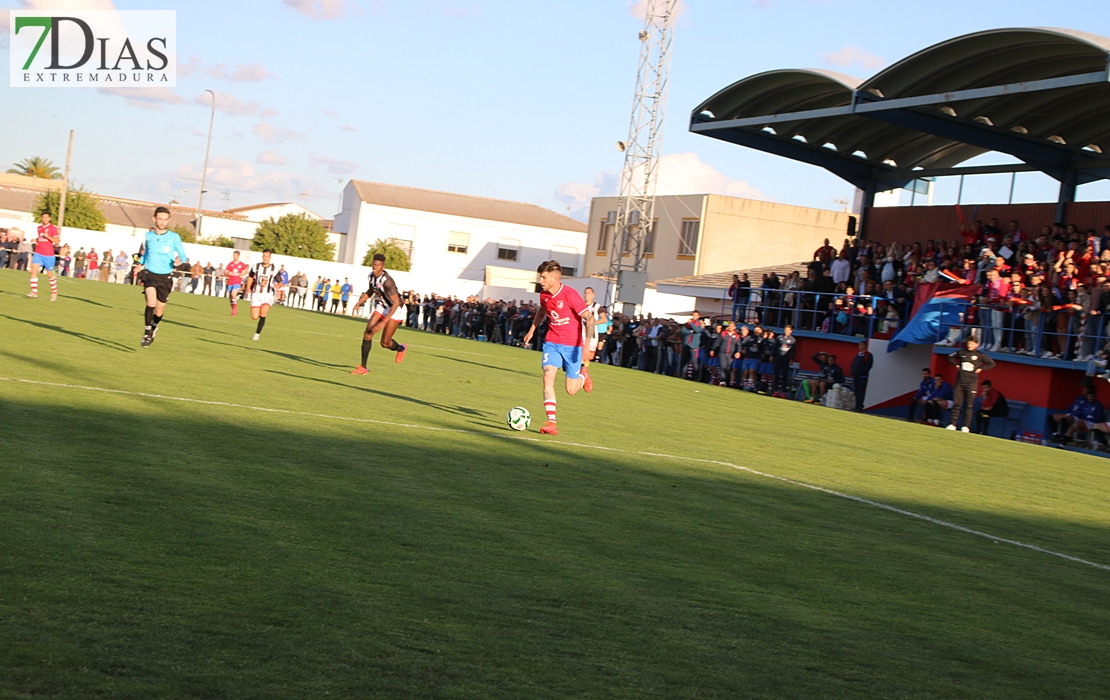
(636, 208)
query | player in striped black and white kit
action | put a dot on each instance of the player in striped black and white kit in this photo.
(260, 287)
(388, 313)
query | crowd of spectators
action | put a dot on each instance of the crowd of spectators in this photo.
(1042, 295)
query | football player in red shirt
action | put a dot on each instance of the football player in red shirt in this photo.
(43, 257)
(235, 271)
(568, 321)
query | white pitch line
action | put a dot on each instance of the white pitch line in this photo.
(749, 470)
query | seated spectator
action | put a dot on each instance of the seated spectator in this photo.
(924, 392)
(1083, 414)
(993, 405)
(940, 400)
(831, 374)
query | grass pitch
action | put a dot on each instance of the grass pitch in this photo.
(387, 536)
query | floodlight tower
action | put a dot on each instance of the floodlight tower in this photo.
(632, 221)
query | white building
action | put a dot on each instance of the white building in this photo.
(452, 239)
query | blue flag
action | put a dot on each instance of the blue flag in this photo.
(931, 322)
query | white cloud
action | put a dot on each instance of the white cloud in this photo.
(348, 127)
(227, 103)
(679, 173)
(318, 9)
(274, 134)
(328, 113)
(852, 56)
(267, 113)
(146, 97)
(461, 12)
(685, 173)
(334, 167)
(272, 158)
(194, 67)
(240, 177)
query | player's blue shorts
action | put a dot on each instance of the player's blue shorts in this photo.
(46, 262)
(737, 363)
(766, 368)
(232, 287)
(751, 365)
(713, 361)
(565, 357)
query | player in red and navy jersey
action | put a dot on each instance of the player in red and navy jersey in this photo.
(388, 313)
(44, 257)
(568, 321)
(236, 270)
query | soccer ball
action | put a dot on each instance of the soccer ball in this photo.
(518, 418)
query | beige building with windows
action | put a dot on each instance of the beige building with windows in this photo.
(701, 234)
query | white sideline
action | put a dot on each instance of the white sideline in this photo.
(749, 470)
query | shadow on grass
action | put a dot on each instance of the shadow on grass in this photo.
(456, 410)
(90, 301)
(110, 344)
(276, 353)
(482, 364)
(225, 555)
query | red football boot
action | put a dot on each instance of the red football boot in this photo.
(549, 428)
(401, 353)
(587, 383)
(359, 370)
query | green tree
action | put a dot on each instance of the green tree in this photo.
(219, 242)
(82, 209)
(395, 256)
(37, 167)
(294, 234)
(187, 234)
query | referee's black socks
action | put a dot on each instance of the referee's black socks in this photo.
(157, 320)
(366, 345)
(149, 316)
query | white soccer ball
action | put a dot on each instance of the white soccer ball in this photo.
(518, 418)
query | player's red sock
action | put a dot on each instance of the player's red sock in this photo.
(53, 286)
(34, 287)
(549, 408)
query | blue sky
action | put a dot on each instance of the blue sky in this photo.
(510, 99)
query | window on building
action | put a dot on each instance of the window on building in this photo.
(605, 235)
(567, 258)
(458, 242)
(688, 243)
(649, 238)
(508, 250)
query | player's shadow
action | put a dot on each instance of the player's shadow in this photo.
(173, 322)
(90, 301)
(286, 355)
(482, 364)
(456, 410)
(110, 344)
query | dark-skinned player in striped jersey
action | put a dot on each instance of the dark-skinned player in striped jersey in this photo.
(388, 313)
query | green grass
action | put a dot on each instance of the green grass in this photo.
(158, 548)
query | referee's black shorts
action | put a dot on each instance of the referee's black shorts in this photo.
(162, 284)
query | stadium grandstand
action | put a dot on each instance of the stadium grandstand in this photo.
(1028, 280)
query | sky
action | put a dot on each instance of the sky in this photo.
(511, 99)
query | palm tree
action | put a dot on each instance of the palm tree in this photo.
(37, 167)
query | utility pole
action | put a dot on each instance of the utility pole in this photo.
(65, 184)
(204, 172)
(635, 215)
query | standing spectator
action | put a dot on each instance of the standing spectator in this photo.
(23, 262)
(209, 272)
(691, 341)
(841, 269)
(726, 350)
(136, 266)
(336, 289)
(196, 274)
(785, 346)
(970, 362)
(218, 277)
(92, 263)
(924, 392)
(6, 247)
(861, 370)
(303, 287)
(740, 292)
(345, 293)
(123, 264)
(106, 266)
(994, 405)
(66, 260)
(79, 260)
(294, 290)
(317, 289)
(281, 285)
(998, 294)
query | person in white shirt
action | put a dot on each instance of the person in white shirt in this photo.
(841, 268)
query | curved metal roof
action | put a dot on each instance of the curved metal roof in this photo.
(1040, 94)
